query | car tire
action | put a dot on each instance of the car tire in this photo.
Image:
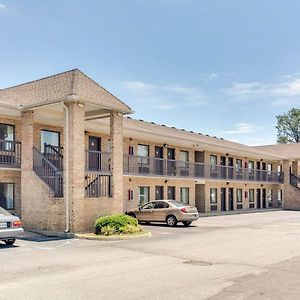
(171, 221)
(186, 223)
(10, 242)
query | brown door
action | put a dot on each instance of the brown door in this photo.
(230, 198)
(171, 192)
(159, 192)
(94, 153)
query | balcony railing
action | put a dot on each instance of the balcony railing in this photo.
(10, 154)
(98, 162)
(149, 166)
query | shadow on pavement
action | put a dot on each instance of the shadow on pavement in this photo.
(35, 237)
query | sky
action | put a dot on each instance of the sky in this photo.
(223, 68)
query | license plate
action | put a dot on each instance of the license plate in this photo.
(3, 225)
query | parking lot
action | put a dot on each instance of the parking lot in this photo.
(250, 256)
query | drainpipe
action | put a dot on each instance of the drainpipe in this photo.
(67, 200)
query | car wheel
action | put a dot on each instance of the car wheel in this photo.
(185, 223)
(171, 221)
(10, 242)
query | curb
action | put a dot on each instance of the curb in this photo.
(92, 236)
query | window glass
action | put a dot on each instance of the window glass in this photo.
(148, 206)
(239, 194)
(49, 138)
(269, 166)
(184, 193)
(160, 204)
(239, 164)
(279, 193)
(184, 155)
(143, 194)
(213, 160)
(251, 165)
(213, 196)
(7, 132)
(251, 195)
(143, 150)
(7, 195)
(270, 194)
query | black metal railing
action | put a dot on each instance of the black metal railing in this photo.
(149, 166)
(295, 181)
(54, 155)
(48, 172)
(97, 185)
(10, 154)
(98, 161)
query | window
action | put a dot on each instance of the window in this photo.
(213, 162)
(143, 194)
(7, 133)
(279, 197)
(143, 150)
(184, 155)
(143, 160)
(239, 164)
(148, 206)
(160, 205)
(213, 199)
(251, 166)
(270, 167)
(251, 195)
(213, 196)
(270, 194)
(7, 195)
(184, 195)
(49, 138)
(184, 165)
(239, 196)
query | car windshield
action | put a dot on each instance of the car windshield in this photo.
(177, 204)
(3, 212)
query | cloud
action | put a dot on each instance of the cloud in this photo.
(212, 76)
(165, 97)
(284, 92)
(2, 6)
(241, 128)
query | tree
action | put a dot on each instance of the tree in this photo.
(288, 127)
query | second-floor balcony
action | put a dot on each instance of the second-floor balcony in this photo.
(148, 166)
(10, 154)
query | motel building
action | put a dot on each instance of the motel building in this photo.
(70, 152)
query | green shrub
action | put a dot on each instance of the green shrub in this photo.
(116, 224)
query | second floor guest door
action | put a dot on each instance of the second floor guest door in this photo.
(94, 153)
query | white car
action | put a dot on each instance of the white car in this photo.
(10, 227)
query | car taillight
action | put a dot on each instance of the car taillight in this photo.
(17, 224)
(183, 210)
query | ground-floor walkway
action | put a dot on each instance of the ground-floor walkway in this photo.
(247, 256)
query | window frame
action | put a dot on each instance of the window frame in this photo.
(188, 194)
(144, 187)
(52, 131)
(13, 196)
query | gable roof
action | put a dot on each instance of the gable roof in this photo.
(60, 87)
(288, 151)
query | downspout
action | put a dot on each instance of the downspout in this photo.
(66, 177)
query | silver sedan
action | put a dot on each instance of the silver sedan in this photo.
(10, 227)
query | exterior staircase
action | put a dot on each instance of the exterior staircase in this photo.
(49, 169)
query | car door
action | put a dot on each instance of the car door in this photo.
(160, 211)
(146, 212)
